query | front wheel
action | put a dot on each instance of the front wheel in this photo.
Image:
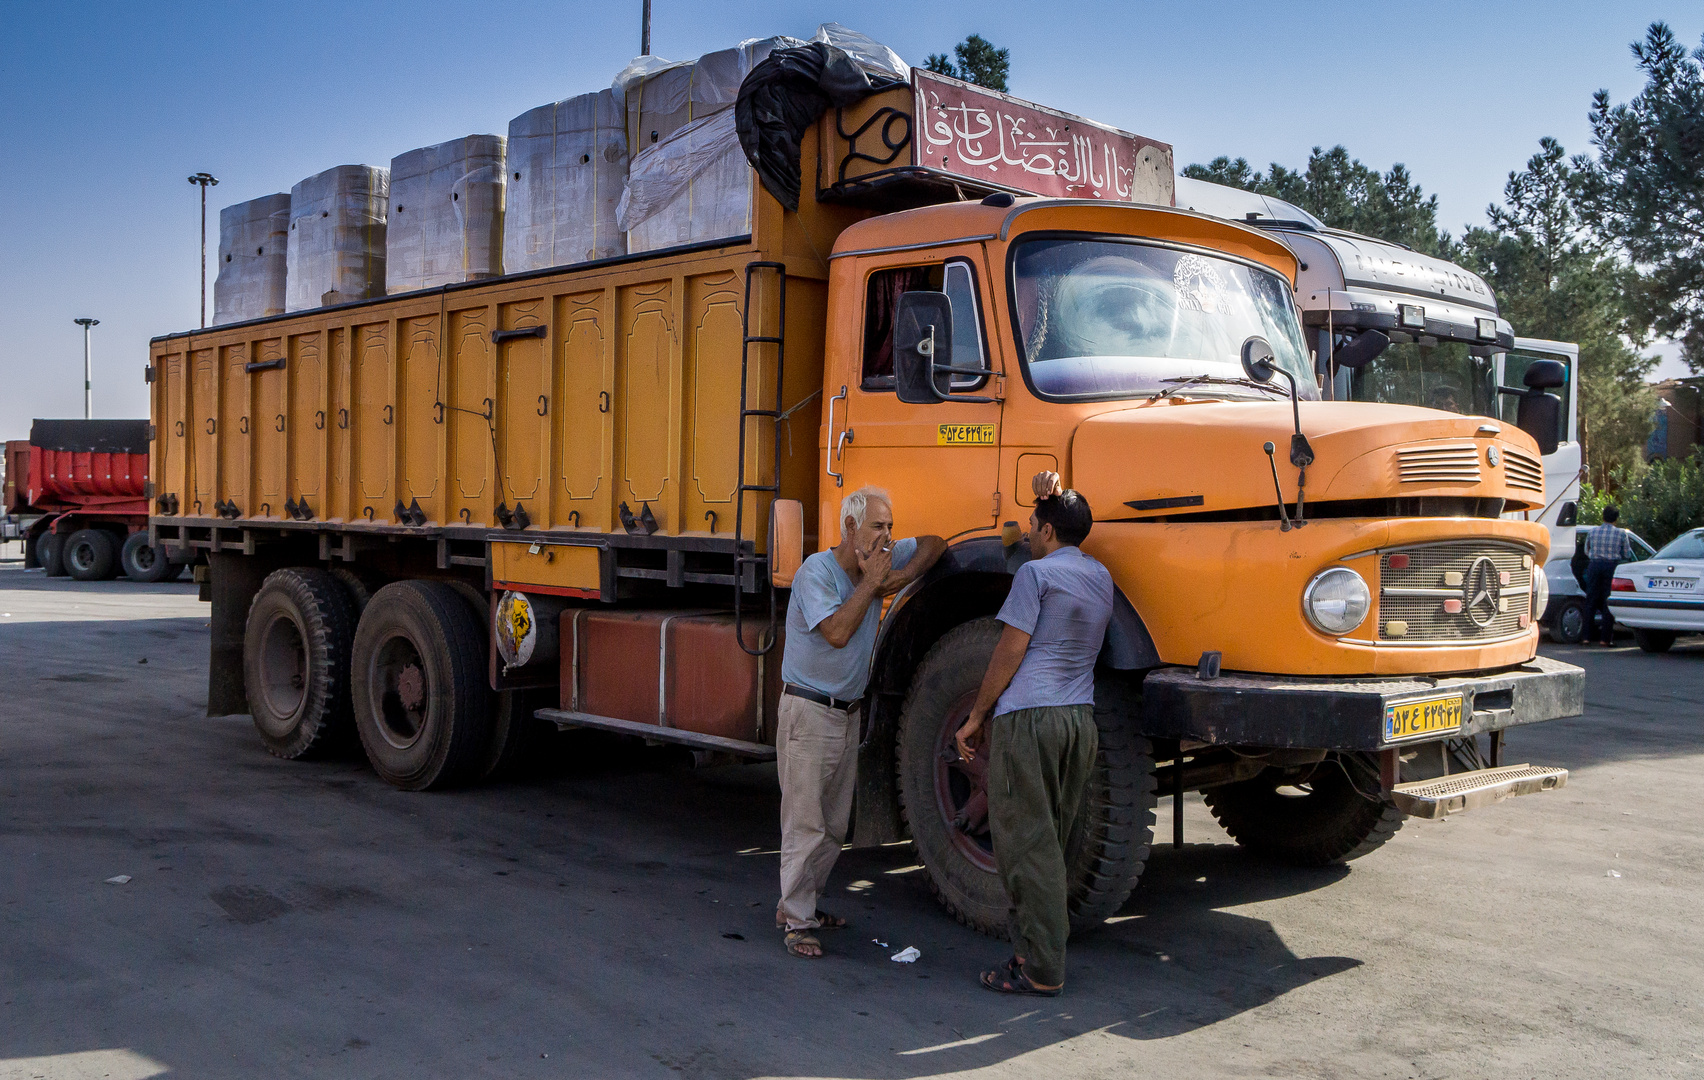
(945, 804)
(1568, 624)
(1653, 641)
(1332, 813)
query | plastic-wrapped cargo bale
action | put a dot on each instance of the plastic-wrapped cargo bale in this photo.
(866, 51)
(337, 237)
(688, 180)
(567, 165)
(446, 214)
(252, 257)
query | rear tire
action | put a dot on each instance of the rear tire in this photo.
(91, 555)
(50, 553)
(296, 654)
(1568, 624)
(422, 706)
(1330, 820)
(1109, 848)
(145, 563)
(1654, 641)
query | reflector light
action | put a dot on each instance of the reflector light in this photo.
(1397, 562)
(1452, 607)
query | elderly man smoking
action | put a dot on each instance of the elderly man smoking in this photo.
(831, 633)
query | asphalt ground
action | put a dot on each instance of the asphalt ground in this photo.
(612, 916)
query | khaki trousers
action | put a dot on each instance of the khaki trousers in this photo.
(816, 751)
(1040, 762)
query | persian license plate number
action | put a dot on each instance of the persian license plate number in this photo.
(1427, 716)
(965, 435)
(1671, 584)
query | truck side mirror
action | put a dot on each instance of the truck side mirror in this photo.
(1545, 375)
(922, 333)
(1540, 415)
(1258, 361)
(1362, 349)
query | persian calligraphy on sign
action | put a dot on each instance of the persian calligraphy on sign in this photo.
(987, 136)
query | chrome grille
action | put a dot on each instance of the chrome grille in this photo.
(1452, 464)
(1415, 599)
(1523, 470)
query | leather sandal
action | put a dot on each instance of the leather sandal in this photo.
(797, 940)
(1010, 979)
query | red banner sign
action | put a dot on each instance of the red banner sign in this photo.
(991, 138)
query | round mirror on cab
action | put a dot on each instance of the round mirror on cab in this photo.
(1258, 359)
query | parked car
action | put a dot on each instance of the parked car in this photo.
(1661, 597)
(1565, 615)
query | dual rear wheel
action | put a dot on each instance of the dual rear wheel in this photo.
(404, 673)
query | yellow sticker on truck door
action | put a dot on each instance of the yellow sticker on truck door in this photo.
(965, 435)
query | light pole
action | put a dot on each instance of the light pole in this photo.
(205, 180)
(88, 378)
(645, 30)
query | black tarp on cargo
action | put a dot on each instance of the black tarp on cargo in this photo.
(782, 98)
(96, 436)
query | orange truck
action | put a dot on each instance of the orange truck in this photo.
(576, 497)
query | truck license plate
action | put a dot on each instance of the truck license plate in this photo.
(965, 435)
(1427, 716)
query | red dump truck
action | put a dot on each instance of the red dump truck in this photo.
(85, 483)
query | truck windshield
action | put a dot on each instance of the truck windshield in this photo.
(1439, 375)
(1109, 318)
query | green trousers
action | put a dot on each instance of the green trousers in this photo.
(1039, 763)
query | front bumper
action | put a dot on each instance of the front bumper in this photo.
(1347, 714)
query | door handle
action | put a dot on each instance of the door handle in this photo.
(839, 479)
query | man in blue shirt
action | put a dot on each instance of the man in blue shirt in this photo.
(1607, 546)
(1040, 690)
(832, 617)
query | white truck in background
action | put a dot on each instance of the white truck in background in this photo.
(1387, 323)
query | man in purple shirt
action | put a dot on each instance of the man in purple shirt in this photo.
(1040, 691)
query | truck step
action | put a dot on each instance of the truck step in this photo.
(564, 718)
(1481, 787)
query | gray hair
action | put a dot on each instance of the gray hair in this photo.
(856, 505)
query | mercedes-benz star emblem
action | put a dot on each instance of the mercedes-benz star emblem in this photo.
(1482, 592)
(1491, 456)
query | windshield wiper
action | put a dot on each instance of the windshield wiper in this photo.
(1184, 381)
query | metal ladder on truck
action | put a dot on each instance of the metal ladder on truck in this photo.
(752, 562)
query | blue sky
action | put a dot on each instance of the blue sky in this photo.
(107, 108)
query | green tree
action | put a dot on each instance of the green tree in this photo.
(1645, 188)
(1344, 194)
(1554, 278)
(979, 62)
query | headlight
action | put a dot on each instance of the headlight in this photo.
(1336, 601)
(1540, 592)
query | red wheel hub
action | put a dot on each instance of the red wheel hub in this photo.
(961, 788)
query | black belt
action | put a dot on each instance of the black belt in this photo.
(821, 699)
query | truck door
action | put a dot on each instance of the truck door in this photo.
(940, 462)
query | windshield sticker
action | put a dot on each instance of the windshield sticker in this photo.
(1200, 286)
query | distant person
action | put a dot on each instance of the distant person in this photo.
(832, 618)
(1040, 691)
(1607, 545)
(1444, 397)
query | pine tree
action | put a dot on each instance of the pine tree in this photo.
(979, 62)
(1645, 188)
